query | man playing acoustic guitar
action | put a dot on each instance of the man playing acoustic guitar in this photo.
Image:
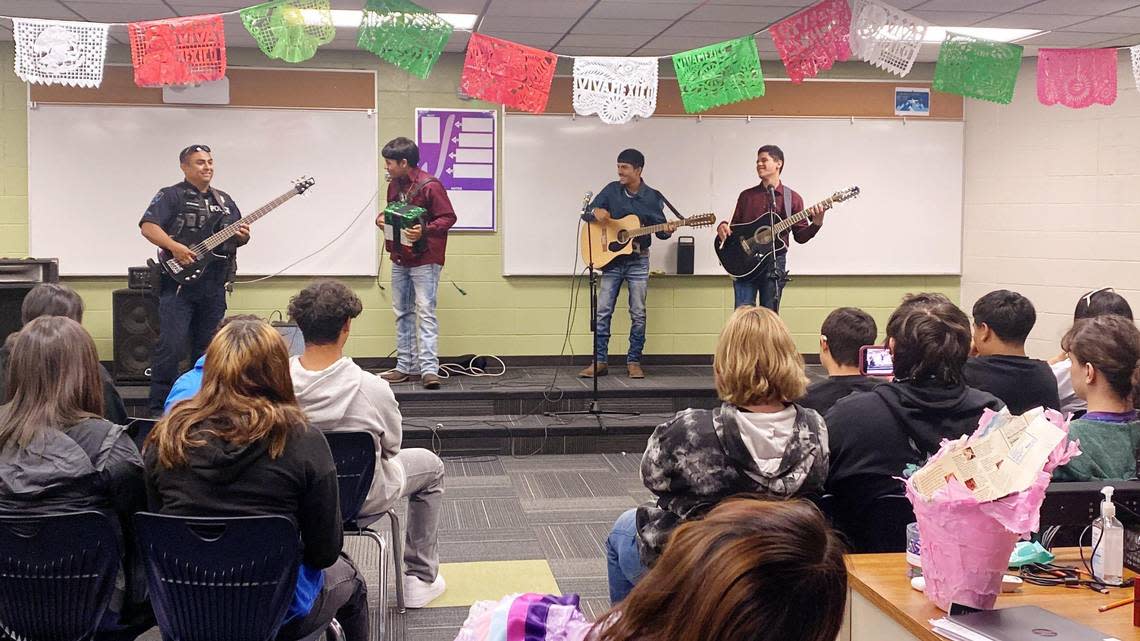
(767, 283)
(626, 196)
(188, 314)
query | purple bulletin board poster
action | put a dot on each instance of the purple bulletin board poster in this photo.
(458, 147)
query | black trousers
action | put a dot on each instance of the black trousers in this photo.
(343, 596)
(188, 317)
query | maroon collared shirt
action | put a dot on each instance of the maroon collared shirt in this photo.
(754, 202)
(441, 216)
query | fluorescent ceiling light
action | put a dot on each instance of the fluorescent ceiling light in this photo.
(938, 34)
(350, 18)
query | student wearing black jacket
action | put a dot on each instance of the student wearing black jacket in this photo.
(242, 447)
(843, 332)
(58, 455)
(874, 435)
(1002, 321)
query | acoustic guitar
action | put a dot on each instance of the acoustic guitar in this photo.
(204, 243)
(603, 242)
(750, 245)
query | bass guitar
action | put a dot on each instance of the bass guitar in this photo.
(204, 242)
(603, 242)
(750, 245)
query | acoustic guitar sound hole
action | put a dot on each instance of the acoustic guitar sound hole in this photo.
(623, 237)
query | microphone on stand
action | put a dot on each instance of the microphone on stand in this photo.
(586, 202)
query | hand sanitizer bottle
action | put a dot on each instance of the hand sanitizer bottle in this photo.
(1108, 542)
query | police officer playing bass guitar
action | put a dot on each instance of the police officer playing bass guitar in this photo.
(779, 201)
(189, 314)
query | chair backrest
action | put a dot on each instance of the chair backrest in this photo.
(354, 453)
(883, 527)
(219, 579)
(139, 428)
(57, 574)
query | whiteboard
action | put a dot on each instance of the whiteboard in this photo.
(93, 170)
(908, 219)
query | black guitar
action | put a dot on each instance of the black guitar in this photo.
(204, 243)
(750, 245)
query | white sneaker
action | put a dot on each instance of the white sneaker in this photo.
(418, 593)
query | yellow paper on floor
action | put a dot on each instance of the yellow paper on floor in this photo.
(492, 580)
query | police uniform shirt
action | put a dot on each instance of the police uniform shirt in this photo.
(181, 210)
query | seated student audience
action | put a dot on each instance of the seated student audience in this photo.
(1104, 353)
(337, 395)
(750, 570)
(874, 435)
(1002, 321)
(54, 299)
(190, 381)
(1093, 304)
(757, 441)
(58, 455)
(844, 331)
(242, 446)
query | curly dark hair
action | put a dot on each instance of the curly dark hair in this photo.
(322, 309)
(932, 342)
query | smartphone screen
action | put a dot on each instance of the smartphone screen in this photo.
(875, 360)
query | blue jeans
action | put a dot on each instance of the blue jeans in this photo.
(623, 561)
(766, 285)
(635, 272)
(187, 319)
(413, 300)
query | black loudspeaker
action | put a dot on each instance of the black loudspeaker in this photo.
(11, 300)
(686, 253)
(135, 325)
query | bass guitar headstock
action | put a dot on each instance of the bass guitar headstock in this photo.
(302, 184)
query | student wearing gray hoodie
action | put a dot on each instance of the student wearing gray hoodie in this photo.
(337, 395)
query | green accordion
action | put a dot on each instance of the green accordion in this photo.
(399, 217)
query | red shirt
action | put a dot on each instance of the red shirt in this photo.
(754, 202)
(441, 216)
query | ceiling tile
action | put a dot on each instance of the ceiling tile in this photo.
(615, 26)
(975, 5)
(641, 10)
(444, 6)
(1110, 24)
(952, 18)
(566, 50)
(713, 31)
(120, 12)
(677, 44)
(791, 4)
(1081, 7)
(536, 40)
(740, 13)
(517, 24)
(1040, 21)
(1068, 39)
(36, 9)
(618, 45)
(539, 8)
(1122, 41)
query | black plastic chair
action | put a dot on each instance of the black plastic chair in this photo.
(882, 528)
(354, 452)
(57, 574)
(215, 579)
(139, 428)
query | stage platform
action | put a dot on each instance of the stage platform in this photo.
(504, 415)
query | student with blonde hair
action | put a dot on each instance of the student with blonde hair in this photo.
(750, 570)
(758, 441)
(242, 446)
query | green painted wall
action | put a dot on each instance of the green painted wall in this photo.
(505, 316)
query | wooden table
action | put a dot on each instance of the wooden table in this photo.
(881, 605)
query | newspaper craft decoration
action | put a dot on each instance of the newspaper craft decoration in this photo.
(813, 39)
(179, 51)
(403, 33)
(977, 68)
(508, 73)
(1076, 78)
(886, 37)
(51, 52)
(290, 30)
(719, 74)
(616, 89)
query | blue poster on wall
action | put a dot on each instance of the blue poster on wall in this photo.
(458, 147)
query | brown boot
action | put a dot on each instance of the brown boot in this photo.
(603, 369)
(634, 369)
